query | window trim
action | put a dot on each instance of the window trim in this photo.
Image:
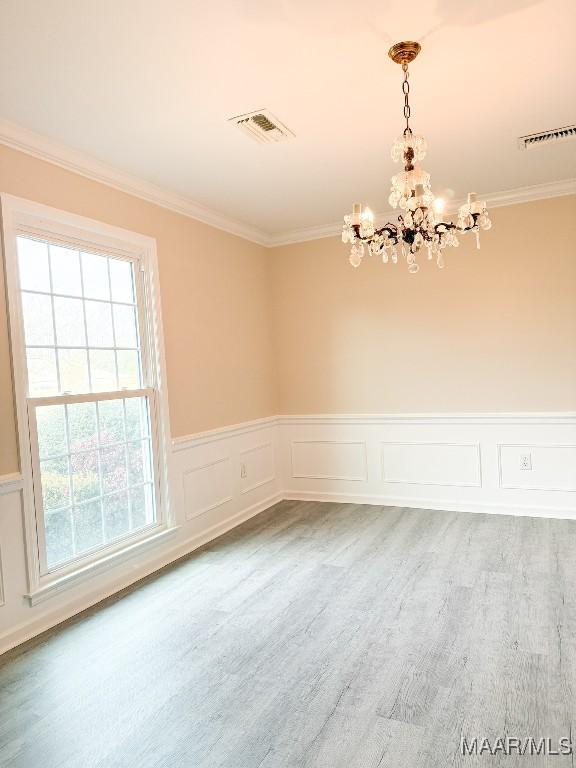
(25, 217)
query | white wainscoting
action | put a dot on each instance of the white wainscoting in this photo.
(468, 462)
(207, 486)
(210, 497)
(257, 466)
(455, 464)
(553, 467)
(329, 460)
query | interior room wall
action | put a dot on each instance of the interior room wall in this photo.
(215, 301)
(494, 331)
(251, 333)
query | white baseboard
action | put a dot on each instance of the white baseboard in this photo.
(441, 505)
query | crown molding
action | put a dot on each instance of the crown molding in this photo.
(494, 200)
(531, 193)
(44, 148)
(51, 151)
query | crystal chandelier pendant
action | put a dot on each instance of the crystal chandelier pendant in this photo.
(418, 225)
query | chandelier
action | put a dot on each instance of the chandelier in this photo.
(418, 226)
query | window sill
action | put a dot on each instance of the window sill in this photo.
(62, 583)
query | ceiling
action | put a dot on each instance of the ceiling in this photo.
(147, 86)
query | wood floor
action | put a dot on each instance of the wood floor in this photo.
(315, 635)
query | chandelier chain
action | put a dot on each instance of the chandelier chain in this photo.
(406, 92)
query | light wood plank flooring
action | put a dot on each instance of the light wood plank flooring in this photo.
(314, 636)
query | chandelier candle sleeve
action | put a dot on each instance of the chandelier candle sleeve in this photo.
(418, 225)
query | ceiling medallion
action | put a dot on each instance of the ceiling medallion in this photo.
(419, 224)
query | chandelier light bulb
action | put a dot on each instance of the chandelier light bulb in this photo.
(418, 225)
(368, 215)
(367, 229)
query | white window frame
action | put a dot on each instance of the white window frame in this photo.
(22, 217)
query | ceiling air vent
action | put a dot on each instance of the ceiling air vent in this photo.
(262, 126)
(547, 137)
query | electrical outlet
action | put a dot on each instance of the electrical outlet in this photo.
(525, 461)
(243, 472)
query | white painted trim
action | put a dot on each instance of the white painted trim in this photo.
(388, 480)
(200, 438)
(361, 479)
(375, 419)
(185, 442)
(370, 430)
(259, 484)
(219, 502)
(17, 635)
(270, 478)
(34, 144)
(422, 487)
(527, 194)
(544, 489)
(499, 199)
(150, 309)
(51, 151)
(17, 353)
(55, 221)
(441, 505)
(11, 483)
(55, 586)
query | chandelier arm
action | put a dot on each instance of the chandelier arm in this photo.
(475, 217)
(448, 225)
(391, 230)
(444, 226)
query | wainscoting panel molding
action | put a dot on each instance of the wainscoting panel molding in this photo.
(329, 460)
(257, 467)
(552, 467)
(454, 464)
(207, 486)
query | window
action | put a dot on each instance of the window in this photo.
(88, 367)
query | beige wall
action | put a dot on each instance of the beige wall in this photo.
(250, 332)
(215, 299)
(494, 331)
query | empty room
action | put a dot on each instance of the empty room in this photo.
(287, 384)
